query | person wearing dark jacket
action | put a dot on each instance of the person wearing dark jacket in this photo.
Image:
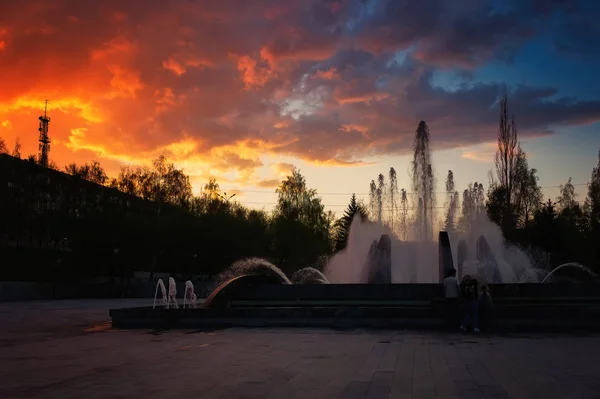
(470, 295)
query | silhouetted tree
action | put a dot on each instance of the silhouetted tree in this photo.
(545, 226)
(17, 149)
(301, 225)
(93, 172)
(3, 148)
(526, 192)
(568, 196)
(592, 211)
(343, 224)
(571, 217)
(496, 201)
(127, 182)
(507, 155)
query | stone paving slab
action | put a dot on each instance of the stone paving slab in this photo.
(66, 349)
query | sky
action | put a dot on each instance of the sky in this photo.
(244, 90)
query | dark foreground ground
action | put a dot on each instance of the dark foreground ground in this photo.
(66, 349)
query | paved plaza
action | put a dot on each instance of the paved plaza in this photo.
(66, 349)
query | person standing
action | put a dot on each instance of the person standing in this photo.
(470, 295)
(452, 293)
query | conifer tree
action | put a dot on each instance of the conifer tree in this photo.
(343, 224)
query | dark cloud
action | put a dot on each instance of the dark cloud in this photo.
(577, 32)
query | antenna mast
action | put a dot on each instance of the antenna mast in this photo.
(44, 139)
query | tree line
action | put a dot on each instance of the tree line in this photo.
(148, 218)
(81, 223)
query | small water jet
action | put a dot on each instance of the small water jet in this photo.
(570, 264)
(532, 275)
(488, 267)
(252, 266)
(309, 275)
(161, 285)
(189, 296)
(172, 297)
(462, 256)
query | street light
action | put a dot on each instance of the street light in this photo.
(224, 197)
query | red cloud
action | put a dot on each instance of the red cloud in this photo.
(219, 84)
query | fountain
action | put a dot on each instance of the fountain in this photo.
(254, 292)
(309, 275)
(356, 287)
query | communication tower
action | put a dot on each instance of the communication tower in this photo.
(44, 139)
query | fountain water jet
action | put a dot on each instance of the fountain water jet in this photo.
(483, 251)
(189, 296)
(309, 275)
(161, 285)
(379, 261)
(462, 256)
(409, 261)
(252, 266)
(570, 264)
(172, 298)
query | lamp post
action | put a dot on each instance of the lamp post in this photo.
(226, 198)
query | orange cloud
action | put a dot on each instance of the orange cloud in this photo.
(69, 105)
(483, 153)
(172, 65)
(268, 183)
(283, 169)
(341, 162)
(126, 82)
(329, 74)
(115, 46)
(252, 74)
(350, 99)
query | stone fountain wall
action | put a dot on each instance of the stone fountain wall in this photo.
(32, 291)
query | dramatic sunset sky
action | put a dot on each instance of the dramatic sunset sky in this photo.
(241, 90)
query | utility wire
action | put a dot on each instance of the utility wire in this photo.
(398, 208)
(241, 191)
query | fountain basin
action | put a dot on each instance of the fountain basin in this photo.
(530, 307)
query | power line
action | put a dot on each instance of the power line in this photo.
(355, 193)
(342, 205)
(398, 208)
